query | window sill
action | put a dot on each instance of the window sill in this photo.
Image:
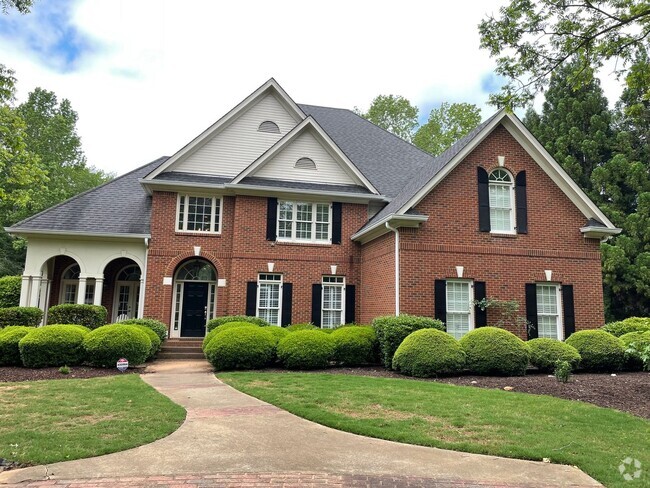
(197, 233)
(303, 244)
(507, 235)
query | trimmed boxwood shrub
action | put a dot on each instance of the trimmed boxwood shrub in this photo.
(9, 339)
(53, 345)
(10, 291)
(306, 349)
(494, 351)
(631, 324)
(641, 340)
(355, 345)
(544, 353)
(158, 327)
(153, 337)
(278, 333)
(214, 323)
(599, 350)
(105, 345)
(223, 327)
(305, 326)
(391, 331)
(91, 316)
(27, 316)
(429, 352)
(241, 348)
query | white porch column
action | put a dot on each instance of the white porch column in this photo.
(81, 290)
(45, 293)
(24, 290)
(141, 298)
(34, 292)
(99, 288)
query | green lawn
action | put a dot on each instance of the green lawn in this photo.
(467, 419)
(59, 420)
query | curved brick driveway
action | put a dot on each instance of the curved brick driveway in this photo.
(231, 439)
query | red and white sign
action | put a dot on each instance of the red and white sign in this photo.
(122, 364)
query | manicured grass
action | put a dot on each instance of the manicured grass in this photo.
(59, 420)
(494, 422)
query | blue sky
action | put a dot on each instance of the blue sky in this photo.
(147, 76)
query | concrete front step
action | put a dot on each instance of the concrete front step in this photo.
(180, 355)
(181, 349)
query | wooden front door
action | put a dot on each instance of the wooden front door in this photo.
(195, 309)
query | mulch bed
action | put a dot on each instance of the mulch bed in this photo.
(628, 392)
(10, 374)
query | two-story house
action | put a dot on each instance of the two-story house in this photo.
(299, 213)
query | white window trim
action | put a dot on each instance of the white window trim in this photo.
(513, 206)
(343, 287)
(560, 309)
(215, 199)
(280, 293)
(472, 323)
(294, 216)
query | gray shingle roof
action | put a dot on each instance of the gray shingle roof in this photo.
(192, 178)
(120, 206)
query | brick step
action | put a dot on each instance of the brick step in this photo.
(191, 345)
(182, 349)
(180, 355)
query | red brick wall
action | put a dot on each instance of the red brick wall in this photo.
(378, 278)
(506, 263)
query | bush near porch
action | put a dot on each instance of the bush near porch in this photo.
(155, 325)
(214, 323)
(10, 291)
(53, 345)
(91, 316)
(26, 316)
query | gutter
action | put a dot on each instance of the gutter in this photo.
(397, 287)
(38, 232)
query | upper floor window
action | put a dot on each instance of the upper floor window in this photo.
(459, 299)
(269, 126)
(304, 222)
(199, 214)
(501, 196)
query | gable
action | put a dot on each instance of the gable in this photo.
(326, 169)
(233, 148)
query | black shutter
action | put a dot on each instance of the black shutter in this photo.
(531, 310)
(483, 200)
(522, 206)
(316, 300)
(251, 298)
(569, 313)
(440, 292)
(350, 302)
(271, 218)
(336, 222)
(480, 316)
(287, 293)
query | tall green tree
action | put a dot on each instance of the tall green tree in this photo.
(23, 6)
(393, 113)
(531, 39)
(446, 125)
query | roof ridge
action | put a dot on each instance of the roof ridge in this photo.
(79, 195)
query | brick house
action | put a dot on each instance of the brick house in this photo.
(299, 213)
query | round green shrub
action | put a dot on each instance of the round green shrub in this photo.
(214, 323)
(9, 339)
(640, 340)
(631, 324)
(429, 352)
(10, 291)
(544, 353)
(306, 349)
(153, 337)
(599, 350)
(494, 351)
(53, 345)
(391, 331)
(278, 333)
(91, 316)
(241, 348)
(158, 327)
(106, 344)
(355, 345)
(27, 316)
(305, 326)
(223, 327)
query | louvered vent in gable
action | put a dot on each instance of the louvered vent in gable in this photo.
(269, 126)
(305, 163)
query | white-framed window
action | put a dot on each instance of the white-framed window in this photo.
(549, 308)
(333, 302)
(460, 307)
(304, 222)
(501, 190)
(198, 214)
(70, 286)
(269, 297)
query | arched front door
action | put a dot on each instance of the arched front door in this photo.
(195, 287)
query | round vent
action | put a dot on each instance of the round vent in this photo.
(305, 163)
(269, 126)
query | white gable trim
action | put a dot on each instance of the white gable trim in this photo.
(226, 120)
(324, 139)
(551, 167)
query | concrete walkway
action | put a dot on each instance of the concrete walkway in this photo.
(231, 439)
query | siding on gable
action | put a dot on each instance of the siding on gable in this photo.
(305, 145)
(238, 145)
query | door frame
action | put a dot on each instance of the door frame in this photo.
(134, 293)
(178, 291)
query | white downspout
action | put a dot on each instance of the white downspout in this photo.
(143, 279)
(396, 266)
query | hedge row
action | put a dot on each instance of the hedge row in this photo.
(25, 316)
(91, 316)
(10, 291)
